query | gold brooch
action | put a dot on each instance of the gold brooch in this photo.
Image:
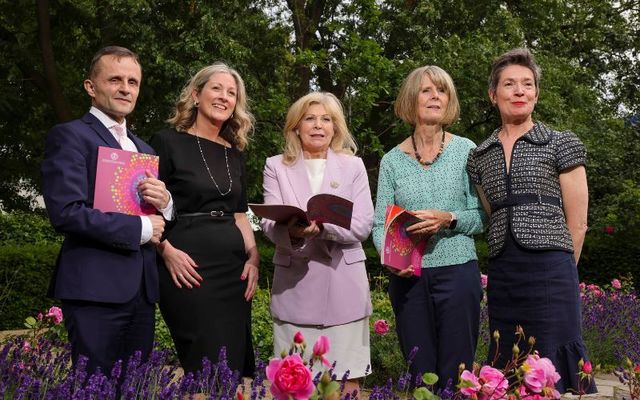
(334, 184)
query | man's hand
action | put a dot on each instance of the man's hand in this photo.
(157, 223)
(154, 191)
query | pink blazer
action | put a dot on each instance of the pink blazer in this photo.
(324, 282)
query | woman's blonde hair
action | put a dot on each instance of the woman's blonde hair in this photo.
(406, 106)
(342, 141)
(236, 129)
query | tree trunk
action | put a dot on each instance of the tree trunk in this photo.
(54, 89)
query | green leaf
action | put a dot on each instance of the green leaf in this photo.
(429, 378)
(30, 322)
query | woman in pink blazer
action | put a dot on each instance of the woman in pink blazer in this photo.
(320, 284)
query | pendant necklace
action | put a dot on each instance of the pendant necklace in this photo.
(426, 163)
(226, 161)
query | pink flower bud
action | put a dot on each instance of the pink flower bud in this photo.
(320, 349)
(484, 280)
(298, 338)
(381, 327)
(587, 368)
(616, 284)
(40, 316)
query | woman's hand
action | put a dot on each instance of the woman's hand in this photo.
(250, 274)
(154, 191)
(181, 267)
(432, 222)
(405, 273)
(302, 232)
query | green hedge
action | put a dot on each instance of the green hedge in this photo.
(25, 271)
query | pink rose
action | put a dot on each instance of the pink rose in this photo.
(381, 327)
(582, 285)
(616, 284)
(494, 384)
(484, 280)
(539, 374)
(40, 316)
(587, 368)
(298, 338)
(55, 313)
(469, 384)
(290, 378)
(26, 346)
(320, 349)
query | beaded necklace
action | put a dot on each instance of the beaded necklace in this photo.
(226, 161)
(419, 158)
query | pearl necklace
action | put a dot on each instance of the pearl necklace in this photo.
(226, 160)
(419, 158)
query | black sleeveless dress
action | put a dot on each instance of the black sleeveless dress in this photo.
(215, 315)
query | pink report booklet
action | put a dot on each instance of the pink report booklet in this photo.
(117, 175)
(399, 251)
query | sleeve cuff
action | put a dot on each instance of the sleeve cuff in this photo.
(147, 229)
(167, 212)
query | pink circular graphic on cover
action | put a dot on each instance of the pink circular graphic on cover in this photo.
(401, 242)
(129, 200)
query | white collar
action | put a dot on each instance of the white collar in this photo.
(106, 120)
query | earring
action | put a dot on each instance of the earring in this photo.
(196, 104)
(297, 132)
(232, 115)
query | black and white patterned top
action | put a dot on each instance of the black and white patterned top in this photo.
(537, 159)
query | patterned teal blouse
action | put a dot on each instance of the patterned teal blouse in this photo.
(444, 186)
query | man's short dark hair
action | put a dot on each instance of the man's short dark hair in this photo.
(117, 51)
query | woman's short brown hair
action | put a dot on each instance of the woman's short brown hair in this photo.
(406, 106)
(519, 56)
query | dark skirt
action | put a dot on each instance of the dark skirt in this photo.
(215, 315)
(539, 291)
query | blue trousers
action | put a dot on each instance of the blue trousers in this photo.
(439, 313)
(106, 333)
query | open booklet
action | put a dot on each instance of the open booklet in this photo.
(323, 208)
(117, 176)
(399, 250)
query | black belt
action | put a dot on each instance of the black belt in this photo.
(207, 214)
(527, 198)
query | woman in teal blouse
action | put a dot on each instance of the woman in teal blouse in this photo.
(437, 312)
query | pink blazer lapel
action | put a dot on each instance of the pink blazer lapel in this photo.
(299, 181)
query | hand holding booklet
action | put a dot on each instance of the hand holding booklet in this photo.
(118, 173)
(399, 249)
(323, 208)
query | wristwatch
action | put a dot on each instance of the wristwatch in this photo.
(454, 221)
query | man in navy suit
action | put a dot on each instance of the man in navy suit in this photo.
(106, 274)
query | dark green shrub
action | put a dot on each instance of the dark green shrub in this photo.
(19, 227)
(25, 271)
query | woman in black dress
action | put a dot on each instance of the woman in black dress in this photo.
(532, 181)
(209, 265)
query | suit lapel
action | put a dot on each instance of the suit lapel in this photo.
(101, 130)
(299, 181)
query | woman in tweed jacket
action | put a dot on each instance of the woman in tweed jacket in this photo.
(532, 181)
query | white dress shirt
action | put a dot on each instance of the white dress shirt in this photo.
(127, 144)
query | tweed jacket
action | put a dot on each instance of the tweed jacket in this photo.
(324, 282)
(537, 159)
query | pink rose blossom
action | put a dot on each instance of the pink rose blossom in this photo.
(582, 285)
(469, 384)
(290, 378)
(40, 316)
(484, 280)
(298, 338)
(321, 348)
(539, 374)
(26, 346)
(494, 384)
(381, 327)
(587, 368)
(55, 313)
(616, 284)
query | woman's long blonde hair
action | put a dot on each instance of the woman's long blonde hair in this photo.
(236, 129)
(342, 141)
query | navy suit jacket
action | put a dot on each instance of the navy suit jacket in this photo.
(101, 258)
